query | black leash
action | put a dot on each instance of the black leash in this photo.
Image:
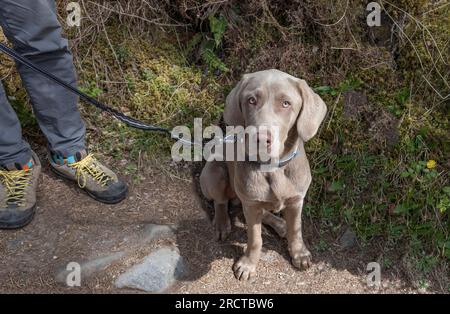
(134, 123)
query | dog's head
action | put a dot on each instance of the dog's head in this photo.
(279, 104)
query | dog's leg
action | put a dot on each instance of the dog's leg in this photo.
(276, 223)
(245, 267)
(221, 222)
(301, 257)
(214, 184)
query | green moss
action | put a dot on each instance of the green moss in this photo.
(170, 93)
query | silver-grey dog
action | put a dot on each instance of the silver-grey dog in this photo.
(275, 99)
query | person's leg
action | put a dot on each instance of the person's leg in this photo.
(13, 149)
(19, 171)
(34, 30)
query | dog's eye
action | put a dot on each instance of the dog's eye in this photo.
(286, 104)
(252, 101)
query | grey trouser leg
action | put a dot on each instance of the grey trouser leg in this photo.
(33, 29)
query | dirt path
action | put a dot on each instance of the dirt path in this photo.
(69, 226)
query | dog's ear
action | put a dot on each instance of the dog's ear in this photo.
(312, 113)
(233, 112)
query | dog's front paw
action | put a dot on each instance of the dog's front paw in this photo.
(222, 227)
(244, 268)
(302, 259)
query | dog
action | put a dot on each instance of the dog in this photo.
(278, 100)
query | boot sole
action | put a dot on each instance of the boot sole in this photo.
(19, 224)
(116, 200)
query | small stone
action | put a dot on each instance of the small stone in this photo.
(269, 256)
(348, 239)
(157, 272)
(14, 244)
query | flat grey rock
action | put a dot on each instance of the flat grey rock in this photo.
(91, 267)
(157, 272)
(348, 239)
(153, 232)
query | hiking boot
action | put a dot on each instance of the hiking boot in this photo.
(97, 180)
(18, 186)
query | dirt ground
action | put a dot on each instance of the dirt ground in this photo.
(69, 226)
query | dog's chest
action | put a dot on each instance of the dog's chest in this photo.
(274, 189)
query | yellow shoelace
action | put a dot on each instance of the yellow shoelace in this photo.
(16, 183)
(88, 167)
